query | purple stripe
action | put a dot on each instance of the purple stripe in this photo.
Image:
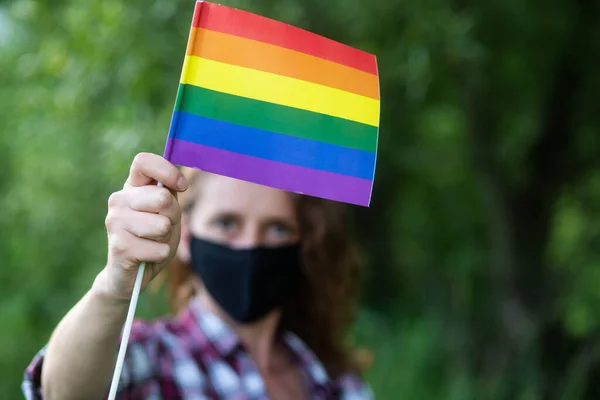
(288, 177)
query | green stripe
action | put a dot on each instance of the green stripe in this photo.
(276, 118)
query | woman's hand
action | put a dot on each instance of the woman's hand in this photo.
(143, 225)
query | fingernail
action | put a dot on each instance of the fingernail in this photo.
(182, 183)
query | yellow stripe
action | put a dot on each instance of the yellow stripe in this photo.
(278, 89)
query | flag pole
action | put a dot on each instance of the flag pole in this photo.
(126, 331)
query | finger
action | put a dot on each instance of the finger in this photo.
(154, 199)
(148, 168)
(149, 226)
(127, 246)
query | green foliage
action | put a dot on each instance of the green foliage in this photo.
(483, 233)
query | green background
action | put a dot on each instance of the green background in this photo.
(482, 241)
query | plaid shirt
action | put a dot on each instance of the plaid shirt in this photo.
(197, 356)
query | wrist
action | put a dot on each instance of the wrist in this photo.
(103, 291)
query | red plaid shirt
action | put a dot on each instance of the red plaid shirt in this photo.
(197, 356)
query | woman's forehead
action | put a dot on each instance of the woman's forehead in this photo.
(219, 193)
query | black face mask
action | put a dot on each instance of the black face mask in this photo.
(247, 284)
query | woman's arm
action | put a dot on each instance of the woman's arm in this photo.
(81, 354)
(143, 224)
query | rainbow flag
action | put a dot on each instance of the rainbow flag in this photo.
(266, 102)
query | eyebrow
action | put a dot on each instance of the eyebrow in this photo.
(273, 219)
(282, 221)
(226, 214)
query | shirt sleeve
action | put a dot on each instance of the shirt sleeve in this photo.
(136, 376)
(32, 380)
(353, 387)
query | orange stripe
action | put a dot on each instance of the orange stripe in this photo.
(265, 57)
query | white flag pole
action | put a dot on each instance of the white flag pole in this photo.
(126, 331)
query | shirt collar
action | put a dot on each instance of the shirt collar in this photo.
(226, 341)
(216, 331)
(310, 363)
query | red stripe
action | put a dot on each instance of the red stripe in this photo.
(251, 26)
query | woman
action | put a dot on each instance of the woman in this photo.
(264, 283)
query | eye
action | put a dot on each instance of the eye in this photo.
(225, 223)
(281, 230)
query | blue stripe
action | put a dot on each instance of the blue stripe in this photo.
(274, 146)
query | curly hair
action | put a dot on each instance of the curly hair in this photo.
(323, 307)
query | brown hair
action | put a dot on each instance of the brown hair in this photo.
(324, 306)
